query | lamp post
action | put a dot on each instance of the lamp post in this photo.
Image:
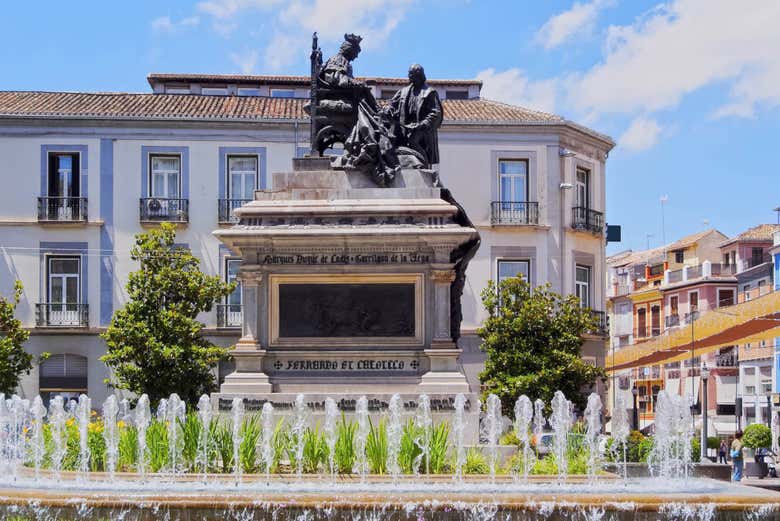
(705, 374)
(635, 392)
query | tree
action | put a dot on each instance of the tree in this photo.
(533, 339)
(14, 360)
(757, 436)
(154, 342)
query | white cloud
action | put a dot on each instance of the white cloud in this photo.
(680, 47)
(513, 86)
(246, 61)
(641, 134)
(228, 8)
(165, 24)
(579, 19)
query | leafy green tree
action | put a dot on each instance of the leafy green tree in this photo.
(14, 360)
(757, 436)
(533, 339)
(154, 342)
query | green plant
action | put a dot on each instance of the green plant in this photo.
(713, 442)
(191, 430)
(643, 449)
(696, 449)
(533, 339)
(250, 436)
(223, 443)
(410, 451)
(279, 443)
(315, 450)
(509, 438)
(157, 445)
(440, 446)
(128, 448)
(97, 446)
(757, 436)
(154, 343)
(376, 447)
(475, 463)
(344, 451)
(14, 360)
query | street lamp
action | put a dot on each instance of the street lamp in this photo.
(705, 374)
(635, 392)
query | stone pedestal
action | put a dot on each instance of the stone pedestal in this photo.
(347, 287)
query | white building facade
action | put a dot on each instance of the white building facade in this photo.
(84, 173)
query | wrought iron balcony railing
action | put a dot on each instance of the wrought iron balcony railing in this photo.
(514, 212)
(229, 315)
(586, 219)
(62, 209)
(225, 209)
(672, 320)
(58, 314)
(602, 323)
(156, 209)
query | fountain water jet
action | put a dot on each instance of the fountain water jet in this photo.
(561, 423)
(204, 414)
(524, 413)
(493, 431)
(458, 431)
(361, 436)
(111, 433)
(299, 432)
(57, 419)
(592, 433)
(620, 431)
(267, 419)
(37, 446)
(424, 424)
(237, 412)
(143, 417)
(394, 432)
(83, 413)
(331, 414)
(174, 415)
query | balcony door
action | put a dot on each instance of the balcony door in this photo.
(165, 173)
(233, 301)
(582, 285)
(582, 188)
(64, 185)
(242, 173)
(64, 291)
(513, 188)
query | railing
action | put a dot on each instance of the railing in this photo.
(514, 212)
(672, 320)
(156, 209)
(229, 315)
(62, 209)
(621, 289)
(655, 330)
(48, 314)
(675, 276)
(723, 270)
(656, 270)
(584, 218)
(729, 360)
(694, 272)
(752, 262)
(602, 326)
(225, 209)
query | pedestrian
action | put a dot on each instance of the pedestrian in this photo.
(722, 451)
(736, 457)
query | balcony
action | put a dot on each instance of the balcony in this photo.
(672, 320)
(602, 324)
(49, 314)
(156, 209)
(586, 219)
(229, 315)
(225, 209)
(726, 360)
(62, 209)
(514, 212)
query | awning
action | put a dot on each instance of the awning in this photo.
(672, 385)
(726, 389)
(686, 388)
(724, 428)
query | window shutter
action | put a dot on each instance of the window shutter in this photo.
(52, 175)
(76, 176)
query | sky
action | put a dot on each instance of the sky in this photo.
(688, 89)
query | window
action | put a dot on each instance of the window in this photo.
(746, 291)
(674, 302)
(243, 91)
(214, 91)
(641, 322)
(233, 315)
(582, 285)
(679, 256)
(63, 291)
(725, 297)
(282, 93)
(242, 174)
(62, 375)
(513, 180)
(655, 320)
(177, 89)
(63, 175)
(693, 301)
(513, 268)
(583, 188)
(756, 256)
(165, 174)
(456, 94)
(761, 287)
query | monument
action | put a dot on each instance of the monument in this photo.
(353, 266)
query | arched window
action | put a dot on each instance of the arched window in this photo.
(63, 374)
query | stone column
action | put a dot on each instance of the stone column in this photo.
(249, 352)
(444, 374)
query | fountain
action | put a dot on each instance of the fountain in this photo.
(63, 478)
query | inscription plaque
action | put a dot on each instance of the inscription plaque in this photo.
(346, 310)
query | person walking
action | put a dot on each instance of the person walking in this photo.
(722, 451)
(736, 457)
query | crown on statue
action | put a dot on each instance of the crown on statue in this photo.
(353, 39)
